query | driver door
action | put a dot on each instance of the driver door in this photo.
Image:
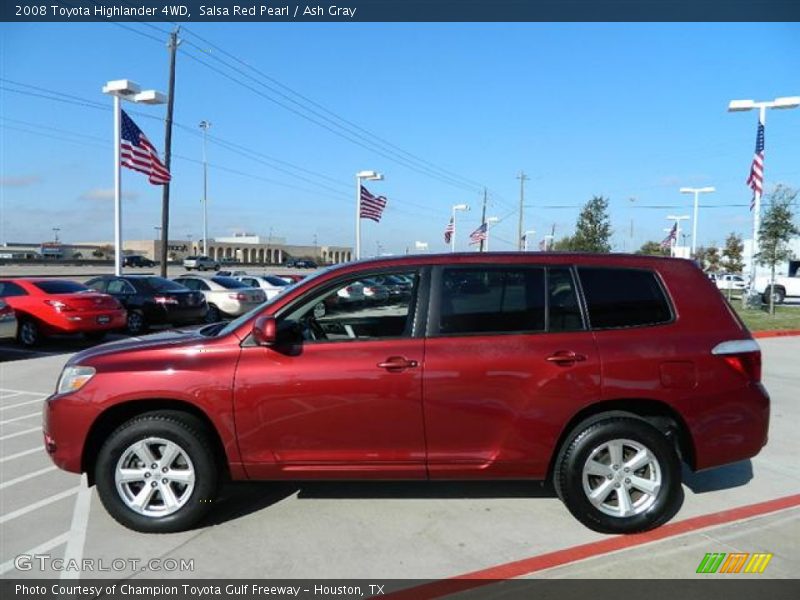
(340, 397)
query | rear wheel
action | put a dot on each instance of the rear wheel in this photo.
(213, 315)
(29, 333)
(620, 475)
(136, 324)
(157, 473)
(778, 295)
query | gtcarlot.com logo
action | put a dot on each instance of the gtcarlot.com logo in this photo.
(734, 562)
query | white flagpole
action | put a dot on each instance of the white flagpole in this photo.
(117, 192)
(762, 117)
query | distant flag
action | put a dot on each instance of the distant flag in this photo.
(449, 230)
(671, 237)
(371, 206)
(756, 178)
(479, 235)
(137, 153)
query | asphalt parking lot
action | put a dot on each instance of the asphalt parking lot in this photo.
(392, 530)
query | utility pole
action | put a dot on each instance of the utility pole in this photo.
(522, 178)
(483, 216)
(204, 125)
(173, 48)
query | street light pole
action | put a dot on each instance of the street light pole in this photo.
(124, 89)
(489, 220)
(696, 192)
(456, 207)
(785, 102)
(365, 176)
(527, 236)
(204, 125)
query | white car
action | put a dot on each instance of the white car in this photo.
(727, 282)
(271, 285)
(225, 296)
(8, 321)
(201, 263)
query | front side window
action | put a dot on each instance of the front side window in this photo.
(345, 312)
(489, 300)
(623, 297)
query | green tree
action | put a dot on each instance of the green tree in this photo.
(732, 260)
(565, 244)
(593, 229)
(712, 258)
(653, 249)
(776, 231)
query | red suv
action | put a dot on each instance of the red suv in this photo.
(601, 373)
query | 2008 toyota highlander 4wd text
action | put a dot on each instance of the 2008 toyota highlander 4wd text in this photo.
(602, 373)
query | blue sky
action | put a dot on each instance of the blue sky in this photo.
(620, 110)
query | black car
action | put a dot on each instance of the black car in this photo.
(301, 264)
(137, 260)
(152, 300)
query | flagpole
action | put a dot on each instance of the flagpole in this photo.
(762, 118)
(453, 234)
(117, 192)
(358, 215)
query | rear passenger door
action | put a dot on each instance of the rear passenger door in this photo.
(508, 360)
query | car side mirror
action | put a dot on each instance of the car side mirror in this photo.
(265, 330)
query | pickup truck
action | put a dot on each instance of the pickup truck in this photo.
(784, 287)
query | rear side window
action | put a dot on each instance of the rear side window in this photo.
(60, 287)
(8, 288)
(623, 297)
(230, 283)
(484, 300)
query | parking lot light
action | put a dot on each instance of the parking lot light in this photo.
(124, 89)
(456, 207)
(696, 192)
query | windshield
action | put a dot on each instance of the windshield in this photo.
(60, 287)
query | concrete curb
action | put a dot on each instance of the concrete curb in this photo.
(775, 333)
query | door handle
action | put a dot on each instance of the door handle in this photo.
(397, 363)
(565, 357)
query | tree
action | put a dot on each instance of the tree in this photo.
(653, 249)
(776, 231)
(593, 229)
(712, 258)
(97, 253)
(565, 244)
(732, 254)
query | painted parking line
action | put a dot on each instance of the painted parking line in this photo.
(19, 433)
(77, 531)
(26, 403)
(541, 562)
(20, 392)
(37, 505)
(21, 454)
(26, 477)
(43, 548)
(4, 396)
(22, 418)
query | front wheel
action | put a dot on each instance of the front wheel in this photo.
(156, 473)
(28, 333)
(136, 323)
(620, 475)
(778, 295)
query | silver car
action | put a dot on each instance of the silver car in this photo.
(201, 263)
(271, 285)
(225, 296)
(8, 321)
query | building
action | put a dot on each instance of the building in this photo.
(789, 267)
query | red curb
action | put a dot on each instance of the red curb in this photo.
(768, 333)
(526, 566)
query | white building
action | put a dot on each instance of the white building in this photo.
(789, 267)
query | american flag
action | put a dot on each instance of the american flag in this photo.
(371, 206)
(137, 153)
(479, 235)
(671, 237)
(756, 178)
(448, 231)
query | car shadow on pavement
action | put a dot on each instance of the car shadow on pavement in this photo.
(239, 499)
(721, 478)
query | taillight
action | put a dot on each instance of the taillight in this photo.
(59, 306)
(165, 300)
(238, 296)
(743, 356)
(6, 310)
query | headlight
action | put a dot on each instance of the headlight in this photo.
(74, 378)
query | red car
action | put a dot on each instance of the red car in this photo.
(56, 306)
(600, 373)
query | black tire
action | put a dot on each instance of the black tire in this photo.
(189, 434)
(779, 295)
(29, 333)
(213, 315)
(590, 442)
(95, 336)
(136, 324)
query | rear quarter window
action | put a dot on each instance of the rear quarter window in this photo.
(618, 297)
